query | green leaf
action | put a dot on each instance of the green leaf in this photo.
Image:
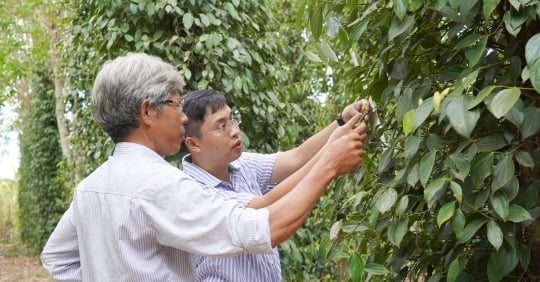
(492, 142)
(232, 11)
(503, 101)
(412, 143)
(397, 27)
(532, 49)
(531, 122)
(434, 190)
(458, 222)
(501, 204)
(397, 230)
(494, 234)
(387, 158)
(514, 20)
(313, 57)
(422, 113)
(355, 267)
(461, 166)
(481, 96)
(316, 20)
(412, 177)
(334, 230)
(503, 172)
(474, 54)
(327, 51)
(408, 125)
(400, 8)
(470, 229)
(446, 213)
(426, 166)
(488, 7)
(386, 200)
(461, 119)
(468, 80)
(518, 214)
(534, 73)
(467, 41)
(456, 267)
(375, 269)
(402, 205)
(524, 158)
(502, 262)
(457, 191)
(357, 30)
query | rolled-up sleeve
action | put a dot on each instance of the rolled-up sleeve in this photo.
(202, 222)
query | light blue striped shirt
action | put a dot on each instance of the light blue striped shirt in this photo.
(136, 217)
(250, 176)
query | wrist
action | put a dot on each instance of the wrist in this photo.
(339, 119)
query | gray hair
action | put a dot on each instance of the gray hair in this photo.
(124, 83)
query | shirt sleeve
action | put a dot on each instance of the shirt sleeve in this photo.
(261, 167)
(202, 222)
(60, 256)
(242, 198)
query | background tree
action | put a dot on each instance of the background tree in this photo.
(450, 187)
(39, 196)
(235, 47)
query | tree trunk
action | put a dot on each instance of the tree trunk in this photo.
(58, 86)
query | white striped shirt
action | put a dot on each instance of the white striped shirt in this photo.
(250, 176)
(136, 217)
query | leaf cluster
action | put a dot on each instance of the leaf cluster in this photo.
(450, 186)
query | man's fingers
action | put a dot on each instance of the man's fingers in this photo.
(353, 121)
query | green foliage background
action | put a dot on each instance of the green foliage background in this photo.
(449, 186)
(41, 199)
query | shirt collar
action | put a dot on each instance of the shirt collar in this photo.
(129, 149)
(204, 176)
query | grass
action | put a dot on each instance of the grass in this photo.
(8, 211)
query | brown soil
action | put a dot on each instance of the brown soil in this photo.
(15, 266)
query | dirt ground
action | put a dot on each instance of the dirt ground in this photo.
(15, 267)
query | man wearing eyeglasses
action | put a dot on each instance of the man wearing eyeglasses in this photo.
(136, 217)
(217, 161)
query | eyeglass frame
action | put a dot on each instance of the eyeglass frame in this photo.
(235, 120)
(173, 102)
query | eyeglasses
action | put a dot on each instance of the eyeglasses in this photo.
(178, 103)
(235, 121)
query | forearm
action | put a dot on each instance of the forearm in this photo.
(290, 161)
(283, 187)
(289, 212)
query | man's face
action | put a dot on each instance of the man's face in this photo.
(219, 137)
(169, 127)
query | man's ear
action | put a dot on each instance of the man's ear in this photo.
(192, 144)
(147, 112)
